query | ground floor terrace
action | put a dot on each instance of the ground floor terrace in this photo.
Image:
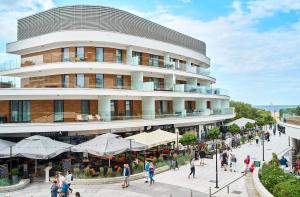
(176, 183)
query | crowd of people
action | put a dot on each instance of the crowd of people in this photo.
(61, 186)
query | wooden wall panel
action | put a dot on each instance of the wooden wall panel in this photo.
(121, 108)
(109, 55)
(90, 54)
(137, 108)
(109, 81)
(145, 59)
(93, 107)
(51, 81)
(71, 109)
(42, 111)
(124, 56)
(5, 110)
(127, 81)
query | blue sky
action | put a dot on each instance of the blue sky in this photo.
(254, 45)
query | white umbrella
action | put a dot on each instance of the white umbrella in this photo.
(4, 144)
(108, 144)
(36, 147)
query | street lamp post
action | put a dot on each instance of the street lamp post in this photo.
(263, 144)
(10, 162)
(217, 179)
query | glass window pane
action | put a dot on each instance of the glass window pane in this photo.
(14, 111)
(80, 53)
(99, 54)
(154, 60)
(99, 81)
(66, 55)
(137, 55)
(128, 107)
(58, 110)
(112, 109)
(119, 56)
(85, 109)
(26, 109)
(65, 81)
(80, 81)
(119, 81)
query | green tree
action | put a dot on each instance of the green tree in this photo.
(188, 138)
(234, 129)
(298, 111)
(249, 125)
(213, 133)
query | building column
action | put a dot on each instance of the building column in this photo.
(137, 80)
(179, 106)
(169, 82)
(167, 59)
(129, 55)
(148, 107)
(104, 107)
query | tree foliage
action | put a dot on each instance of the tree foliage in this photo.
(249, 125)
(213, 133)
(188, 138)
(234, 129)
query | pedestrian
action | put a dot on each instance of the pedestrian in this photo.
(274, 131)
(233, 161)
(246, 163)
(283, 163)
(147, 166)
(151, 172)
(54, 189)
(69, 179)
(225, 160)
(279, 133)
(202, 156)
(268, 136)
(249, 138)
(256, 139)
(192, 168)
(64, 188)
(77, 194)
(126, 174)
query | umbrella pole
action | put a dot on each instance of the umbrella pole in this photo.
(10, 161)
(35, 166)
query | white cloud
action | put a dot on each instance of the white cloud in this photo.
(11, 10)
(234, 43)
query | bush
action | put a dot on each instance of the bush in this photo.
(273, 175)
(15, 172)
(101, 171)
(4, 182)
(76, 172)
(86, 172)
(289, 188)
(274, 160)
(243, 139)
(110, 173)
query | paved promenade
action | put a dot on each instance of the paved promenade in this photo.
(205, 175)
(175, 183)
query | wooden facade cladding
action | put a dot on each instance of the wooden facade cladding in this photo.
(5, 110)
(109, 55)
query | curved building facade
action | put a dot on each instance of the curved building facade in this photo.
(92, 69)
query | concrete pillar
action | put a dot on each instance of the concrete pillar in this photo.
(167, 58)
(104, 107)
(137, 80)
(179, 106)
(169, 82)
(148, 107)
(129, 55)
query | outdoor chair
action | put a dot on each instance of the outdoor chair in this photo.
(97, 116)
(79, 117)
(91, 118)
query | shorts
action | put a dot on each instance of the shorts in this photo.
(126, 178)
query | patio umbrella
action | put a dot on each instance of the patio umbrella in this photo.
(4, 144)
(37, 147)
(108, 144)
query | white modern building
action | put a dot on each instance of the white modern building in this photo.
(87, 70)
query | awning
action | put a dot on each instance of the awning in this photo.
(155, 138)
(241, 122)
(4, 144)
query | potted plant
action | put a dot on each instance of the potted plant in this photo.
(14, 174)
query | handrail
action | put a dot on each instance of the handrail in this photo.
(227, 185)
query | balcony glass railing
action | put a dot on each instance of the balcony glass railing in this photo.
(91, 57)
(51, 117)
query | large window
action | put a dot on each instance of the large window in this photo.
(58, 111)
(66, 54)
(80, 53)
(20, 111)
(65, 81)
(99, 81)
(137, 58)
(154, 60)
(119, 81)
(119, 56)
(163, 107)
(113, 105)
(80, 80)
(99, 54)
(156, 82)
(128, 108)
(85, 107)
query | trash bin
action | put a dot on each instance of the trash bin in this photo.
(257, 163)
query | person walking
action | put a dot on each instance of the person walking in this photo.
(256, 139)
(151, 172)
(69, 179)
(64, 188)
(147, 166)
(250, 138)
(246, 163)
(283, 163)
(225, 160)
(126, 174)
(192, 168)
(233, 161)
(202, 156)
(54, 189)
